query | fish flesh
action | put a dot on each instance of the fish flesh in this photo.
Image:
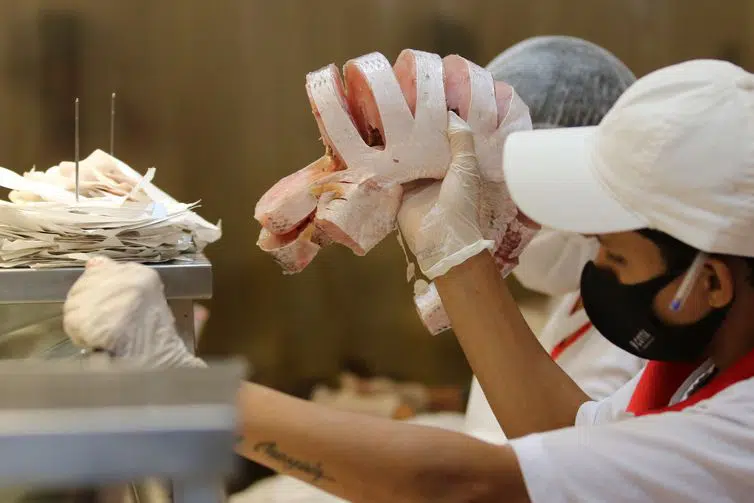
(384, 126)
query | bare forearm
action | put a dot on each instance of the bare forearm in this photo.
(362, 458)
(527, 391)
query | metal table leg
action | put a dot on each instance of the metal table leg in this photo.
(183, 311)
(191, 491)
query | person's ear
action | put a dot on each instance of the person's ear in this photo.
(719, 283)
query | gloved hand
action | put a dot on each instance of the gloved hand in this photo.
(121, 308)
(440, 221)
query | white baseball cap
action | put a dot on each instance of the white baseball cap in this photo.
(674, 154)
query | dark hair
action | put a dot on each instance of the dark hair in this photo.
(678, 255)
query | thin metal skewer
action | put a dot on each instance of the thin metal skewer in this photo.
(76, 146)
(112, 125)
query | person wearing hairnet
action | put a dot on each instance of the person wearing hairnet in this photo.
(566, 82)
(665, 183)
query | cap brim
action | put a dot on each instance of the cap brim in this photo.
(550, 176)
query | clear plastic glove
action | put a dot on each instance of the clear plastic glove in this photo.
(121, 308)
(440, 221)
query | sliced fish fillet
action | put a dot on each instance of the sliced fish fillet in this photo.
(384, 126)
(290, 201)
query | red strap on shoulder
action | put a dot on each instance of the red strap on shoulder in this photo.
(575, 336)
(657, 385)
(569, 341)
(662, 379)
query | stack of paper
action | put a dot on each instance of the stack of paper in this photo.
(119, 214)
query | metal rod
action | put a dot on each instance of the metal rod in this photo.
(112, 125)
(76, 146)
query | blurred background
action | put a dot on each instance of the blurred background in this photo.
(212, 94)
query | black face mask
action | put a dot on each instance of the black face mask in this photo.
(624, 315)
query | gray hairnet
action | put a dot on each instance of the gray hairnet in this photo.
(565, 81)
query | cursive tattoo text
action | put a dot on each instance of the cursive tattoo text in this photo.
(271, 450)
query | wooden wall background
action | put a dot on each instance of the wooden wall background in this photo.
(212, 94)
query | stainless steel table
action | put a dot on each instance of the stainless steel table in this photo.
(93, 423)
(185, 281)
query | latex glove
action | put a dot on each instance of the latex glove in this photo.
(122, 308)
(440, 221)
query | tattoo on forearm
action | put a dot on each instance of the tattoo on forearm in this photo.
(272, 451)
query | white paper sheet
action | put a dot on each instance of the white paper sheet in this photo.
(120, 214)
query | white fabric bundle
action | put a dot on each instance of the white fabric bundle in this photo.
(120, 214)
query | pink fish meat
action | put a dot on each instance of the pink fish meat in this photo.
(384, 126)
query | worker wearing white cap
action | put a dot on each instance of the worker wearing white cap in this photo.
(565, 82)
(666, 182)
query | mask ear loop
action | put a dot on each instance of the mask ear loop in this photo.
(689, 280)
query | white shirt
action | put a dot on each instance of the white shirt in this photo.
(594, 363)
(552, 262)
(704, 453)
